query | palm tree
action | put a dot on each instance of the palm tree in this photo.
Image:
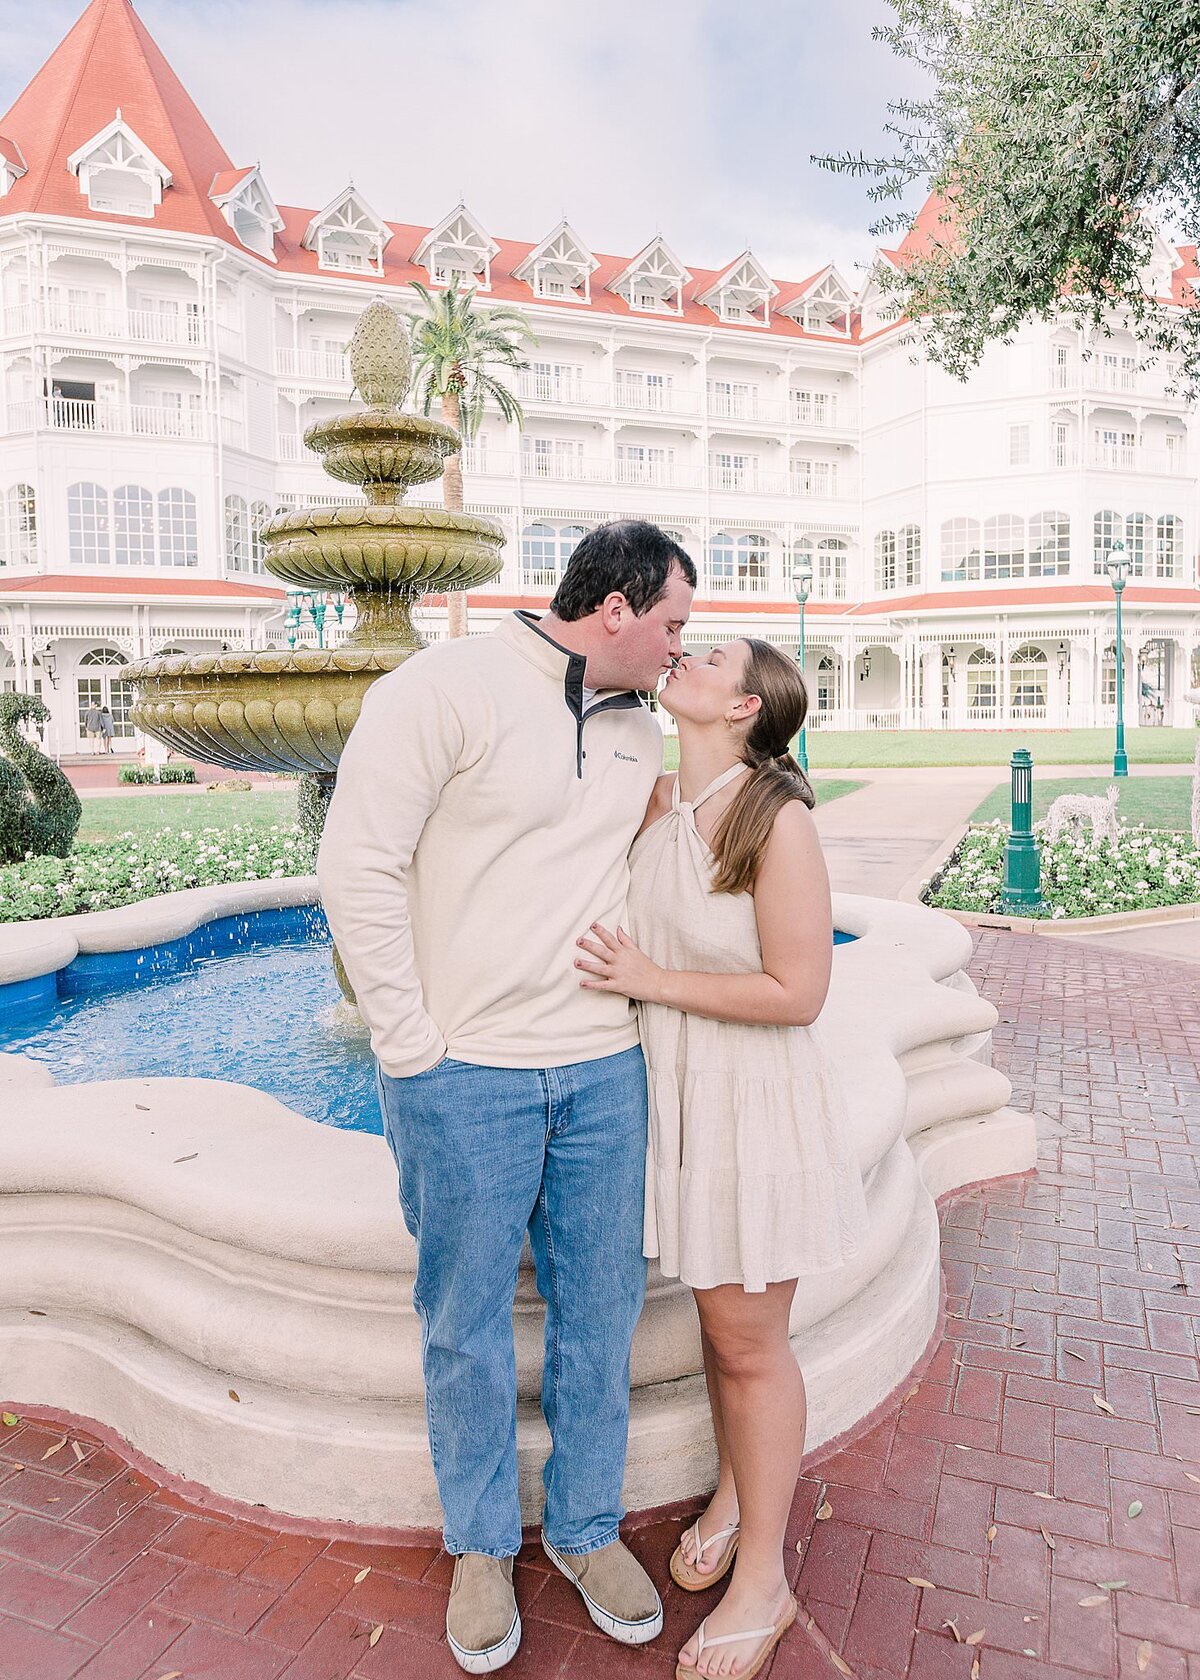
(455, 347)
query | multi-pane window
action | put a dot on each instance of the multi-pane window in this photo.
(88, 532)
(732, 398)
(639, 463)
(1027, 679)
(237, 534)
(1018, 446)
(1168, 547)
(981, 683)
(734, 472)
(1050, 544)
(814, 478)
(19, 527)
(737, 565)
(1004, 547)
(639, 389)
(1062, 366)
(552, 457)
(97, 685)
(556, 381)
(133, 525)
(1137, 526)
(831, 569)
(260, 513)
(1114, 447)
(908, 544)
(177, 542)
(1107, 527)
(960, 550)
(814, 408)
(885, 560)
(545, 550)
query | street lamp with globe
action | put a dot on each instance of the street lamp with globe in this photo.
(1116, 564)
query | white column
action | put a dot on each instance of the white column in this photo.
(931, 700)
(1080, 709)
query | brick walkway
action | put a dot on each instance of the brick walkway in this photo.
(1038, 1492)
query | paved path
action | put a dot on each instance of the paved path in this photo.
(994, 1499)
(877, 839)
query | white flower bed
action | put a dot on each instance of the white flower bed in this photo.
(1145, 869)
(137, 866)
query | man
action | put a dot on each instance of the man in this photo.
(93, 728)
(484, 808)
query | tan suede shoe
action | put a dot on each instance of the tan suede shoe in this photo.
(483, 1628)
(619, 1595)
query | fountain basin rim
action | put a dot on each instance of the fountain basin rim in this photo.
(386, 425)
(399, 516)
(267, 662)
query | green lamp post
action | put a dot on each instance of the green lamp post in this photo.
(1021, 893)
(1116, 564)
(803, 580)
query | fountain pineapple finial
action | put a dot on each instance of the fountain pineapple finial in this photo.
(381, 357)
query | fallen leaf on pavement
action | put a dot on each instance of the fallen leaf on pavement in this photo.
(1144, 1652)
(362, 1575)
(1048, 1538)
(918, 1581)
(1103, 1405)
(57, 1447)
(376, 1635)
(992, 1532)
(1093, 1599)
(975, 1638)
(1135, 1507)
(826, 1511)
(953, 1626)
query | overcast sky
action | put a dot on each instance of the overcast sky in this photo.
(690, 117)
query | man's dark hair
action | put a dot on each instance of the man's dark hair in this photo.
(631, 556)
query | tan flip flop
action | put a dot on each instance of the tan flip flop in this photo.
(690, 1579)
(771, 1636)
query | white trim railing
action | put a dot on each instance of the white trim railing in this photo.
(323, 365)
(142, 326)
(74, 414)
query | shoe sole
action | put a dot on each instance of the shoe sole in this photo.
(627, 1633)
(496, 1656)
(697, 1582)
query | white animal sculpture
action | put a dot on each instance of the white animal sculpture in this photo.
(1071, 811)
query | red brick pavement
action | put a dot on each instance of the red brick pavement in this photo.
(1036, 1492)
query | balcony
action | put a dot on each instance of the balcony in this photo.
(653, 399)
(322, 365)
(72, 414)
(560, 389)
(139, 326)
(744, 583)
(539, 582)
(669, 476)
(811, 408)
(724, 405)
(565, 468)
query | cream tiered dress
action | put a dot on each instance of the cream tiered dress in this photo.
(750, 1171)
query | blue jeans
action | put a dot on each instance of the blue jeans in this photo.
(485, 1154)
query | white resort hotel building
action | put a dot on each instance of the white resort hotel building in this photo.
(167, 332)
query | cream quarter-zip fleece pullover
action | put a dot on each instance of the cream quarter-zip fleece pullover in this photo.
(481, 822)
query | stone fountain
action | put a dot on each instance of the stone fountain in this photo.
(293, 711)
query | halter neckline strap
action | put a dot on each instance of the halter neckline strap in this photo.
(723, 780)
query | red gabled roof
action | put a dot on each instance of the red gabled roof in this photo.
(145, 588)
(108, 60)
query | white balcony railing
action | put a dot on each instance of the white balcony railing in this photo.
(73, 414)
(542, 582)
(743, 583)
(290, 447)
(809, 410)
(313, 364)
(750, 481)
(143, 326)
(725, 405)
(654, 399)
(560, 388)
(654, 472)
(570, 468)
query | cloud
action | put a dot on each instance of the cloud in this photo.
(640, 116)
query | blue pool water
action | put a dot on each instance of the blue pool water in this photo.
(250, 999)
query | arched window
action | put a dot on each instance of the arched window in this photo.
(909, 543)
(831, 569)
(827, 683)
(721, 553)
(88, 535)
(177, 527)
(885, 560)
(752, 564)
(1107, 526)
(800, 558)
(19, 547)
(1027, 679)
(1168, 546)
(1136, 527)
(1050, 544)
(1004, 547)
(133, 526)
(237, 535)
(260, 513)
(569, 539)
(981, 683)
(960, 550)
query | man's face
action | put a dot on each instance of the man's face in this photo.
(647, 647)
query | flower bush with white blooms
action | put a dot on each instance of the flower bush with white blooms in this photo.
(1143, 869)
(137, 866)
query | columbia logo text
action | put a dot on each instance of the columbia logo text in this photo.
(626, 758)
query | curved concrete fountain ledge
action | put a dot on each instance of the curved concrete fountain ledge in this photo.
(189, 1241)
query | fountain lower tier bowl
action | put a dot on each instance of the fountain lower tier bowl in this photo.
(259, 711)
(383, 547)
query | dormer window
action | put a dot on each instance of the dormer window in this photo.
(12, 164)
(348, 236)
(654, 281)
(560, 267)
(823, 307)
(458, 252)
(241, 196)
(118, 174)
(742, 295)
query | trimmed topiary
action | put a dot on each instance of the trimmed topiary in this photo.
(39, 809)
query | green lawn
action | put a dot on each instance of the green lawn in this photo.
(834, 749)
(104, 819)
(1156, 801)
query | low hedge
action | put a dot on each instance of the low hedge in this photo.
(148, 775)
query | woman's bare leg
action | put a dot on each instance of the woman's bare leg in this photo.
(722, 1509)
(763, 1414)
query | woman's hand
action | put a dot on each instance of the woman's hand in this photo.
(617, 965)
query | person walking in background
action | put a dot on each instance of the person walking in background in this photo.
(93, 728)
(750, 1183)
(107, 728)
(485, 806)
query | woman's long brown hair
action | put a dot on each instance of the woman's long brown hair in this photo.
(741, 837)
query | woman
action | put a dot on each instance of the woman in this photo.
(751, 1182)
(107, 728)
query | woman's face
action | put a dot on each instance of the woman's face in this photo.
(707, 688)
